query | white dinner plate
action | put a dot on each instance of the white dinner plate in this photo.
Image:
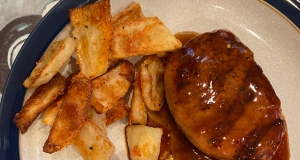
(273, 39)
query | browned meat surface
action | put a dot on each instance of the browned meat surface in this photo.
(221, 99)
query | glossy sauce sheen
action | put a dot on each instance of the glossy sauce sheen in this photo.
(173, 140)
(222, 101)
(176, 144)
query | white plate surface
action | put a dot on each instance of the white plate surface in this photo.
(274, 41)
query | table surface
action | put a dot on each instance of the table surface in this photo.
(18, 18)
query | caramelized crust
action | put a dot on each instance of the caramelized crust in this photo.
(39, 101)
(71, 116)
(221, 99)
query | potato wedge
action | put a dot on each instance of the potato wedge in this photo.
(138, 110)
(42, 97)
(152, 87)
(92, 144)
(110, 87)
(51, 111)
(133, 11)
(119, 111)
(57, 54)
(143, 36)
(72, 115)
(93, 30)
(143, 142)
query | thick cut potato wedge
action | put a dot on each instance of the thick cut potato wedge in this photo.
(42, 97)
(152, 85)
(110, 87)
(57, 54)
(72, 115)
(92, 144)
(93, 30)
(142, 36)
(143, 142)
(51, 111)
(138, 110)
(119, 111)
(133, 11)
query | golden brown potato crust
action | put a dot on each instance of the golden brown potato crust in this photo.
(42, 97)
(120, 110)
(71, 116)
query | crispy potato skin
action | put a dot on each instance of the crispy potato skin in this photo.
(120, 110)
(42, 97)
(71, 116)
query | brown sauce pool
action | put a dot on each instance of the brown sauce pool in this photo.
(175, 144)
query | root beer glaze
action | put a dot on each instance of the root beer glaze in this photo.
(221, 100)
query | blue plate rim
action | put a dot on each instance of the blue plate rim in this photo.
(289, 9)
(13, 94)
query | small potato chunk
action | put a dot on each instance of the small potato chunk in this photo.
(120, 110)
(110, 87)
(57, 54)
(138, 112)
(42, 97)
(92, 144)
(93, 30)
(143, 142)
(152, 70)
(142, 36)
(133, 11)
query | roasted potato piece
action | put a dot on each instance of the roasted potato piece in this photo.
(72, 114)
(42, 97)
(93, 30)
(110, 87)
(152, 71)
(57, 54)
(120, 110)
(99, 119)
(50, 112)
(143, 36)
(133, 11)
(138, 110)
(143, 142)
(92, 144)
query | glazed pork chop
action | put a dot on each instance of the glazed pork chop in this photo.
(221, 100)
